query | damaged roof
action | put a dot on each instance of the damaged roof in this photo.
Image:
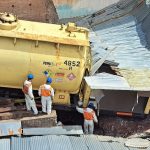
(125, 27)
(86, 142)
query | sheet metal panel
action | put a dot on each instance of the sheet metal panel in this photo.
(20, 143)
(74, 8)
(39, 143)
(106, 145)
(8, 128)
(129, 39)
(130, 82)
(4, 144)
(60, 130)
(118, 146)
(93, 143)
(127, 28)
(59, 142)
(53, 142)
(78, 143)
(107, 81)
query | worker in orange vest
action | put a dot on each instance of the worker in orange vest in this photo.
(89, 118)
(47, 95)
(28, 92)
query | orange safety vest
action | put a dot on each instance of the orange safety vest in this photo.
(88, 115)
(45, 92)
(26, 88)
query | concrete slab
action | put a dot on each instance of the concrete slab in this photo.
(40, 120)
(59, 130)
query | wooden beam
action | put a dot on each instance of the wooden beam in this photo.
(147, 108)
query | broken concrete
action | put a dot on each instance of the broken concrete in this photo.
(40, 121)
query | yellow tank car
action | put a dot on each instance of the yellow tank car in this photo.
(62, 51)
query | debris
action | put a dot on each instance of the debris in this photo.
(59, 123)
(137, 143)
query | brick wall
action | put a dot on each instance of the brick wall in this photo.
(34, 10)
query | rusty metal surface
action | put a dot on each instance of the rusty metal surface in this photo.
(33, 10)
(8, 128)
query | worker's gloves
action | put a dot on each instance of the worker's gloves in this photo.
(96, 122)
(80, 103)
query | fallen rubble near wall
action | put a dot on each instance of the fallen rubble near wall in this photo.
(122, 126)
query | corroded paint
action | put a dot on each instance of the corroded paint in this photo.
(10, 128)
(74, 8)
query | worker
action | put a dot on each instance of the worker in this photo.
(47, 95)
(89, 118)
(28, 92)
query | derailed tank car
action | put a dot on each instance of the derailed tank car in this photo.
(62, 52)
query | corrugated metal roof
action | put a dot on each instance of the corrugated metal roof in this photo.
(118, 27)
(39, 143)
(4, 144)
(53, 142)
(126, 27)
(92, 142)
(59, 142)
(122, 34)
(78, 143)
(18, 143)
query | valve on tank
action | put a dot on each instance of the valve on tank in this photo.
(8, 21)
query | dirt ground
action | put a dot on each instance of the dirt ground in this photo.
(122, 126)
(108, 125)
